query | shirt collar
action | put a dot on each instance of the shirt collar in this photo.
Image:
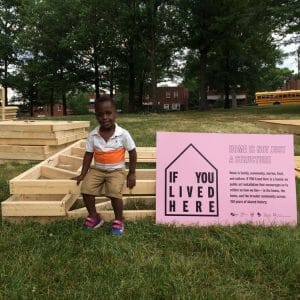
(118, 131)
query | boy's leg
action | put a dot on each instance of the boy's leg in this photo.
(89, 202)
(91, 186)
(114, 189)
(117, 205)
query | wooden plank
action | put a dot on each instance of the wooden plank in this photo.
(297, 161)
(44, 186)
(145, 174)
(108, 215)
(39, 219)
(40, 135)
(25, 156)
(32, 208)
(80, 212)
(42, 126)
(68, 201)
(67, 186)
(69, 162)
(78, 151)
(287, 126)
(53, 142)
(23, 149)
(39, 197)
(56, 173)
(51, 161)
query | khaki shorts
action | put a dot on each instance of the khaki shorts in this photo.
(112, 181)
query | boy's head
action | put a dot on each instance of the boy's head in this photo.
(105, 111)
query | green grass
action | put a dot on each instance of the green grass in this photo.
(60, 261)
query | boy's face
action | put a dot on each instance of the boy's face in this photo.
(105, 114)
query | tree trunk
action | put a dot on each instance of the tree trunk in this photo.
(131, 79)
(31, 101)
(5, 81)
(97, 76)
(226, 83)
(141, 90)
(52, 103)
(153, 82)
(233, 98)
(203, 105)
(64, 100)
(111, 83)
(226, 91)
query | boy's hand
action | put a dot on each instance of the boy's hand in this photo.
(130, 180)
(78, 178)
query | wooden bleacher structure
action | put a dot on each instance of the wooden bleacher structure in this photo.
(46, 192)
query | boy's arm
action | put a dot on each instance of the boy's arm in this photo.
(132, 165)
(87, 159)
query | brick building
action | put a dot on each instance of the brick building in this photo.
(169, 98)
(45, 110)
(291, 84)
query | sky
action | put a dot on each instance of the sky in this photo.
(291, 61)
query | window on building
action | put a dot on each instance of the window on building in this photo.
(166, 107)
(175, 94)
(168, 95)
(59, 107)
(175, 106)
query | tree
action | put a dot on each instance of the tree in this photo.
(9, 28)
(235, 47)
(44, 40)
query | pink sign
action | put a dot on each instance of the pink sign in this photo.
(226, 179)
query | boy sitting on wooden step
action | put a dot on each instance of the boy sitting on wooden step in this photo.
(107, 143)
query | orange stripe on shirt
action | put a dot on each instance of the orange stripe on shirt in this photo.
(109, 157)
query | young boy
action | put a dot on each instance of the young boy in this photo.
(107, 144)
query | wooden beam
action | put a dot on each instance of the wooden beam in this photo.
(73, 161)
(51, 161)
(56, 173)
(108, 215)
(32, 208)
(69, 200)
(33, 141)
(44, 186)
(9, 134)
(67, 186)
(42, 126)
(82, 212)
(78, 151)
(287, 126)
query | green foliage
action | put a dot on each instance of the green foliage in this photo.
(78, 103)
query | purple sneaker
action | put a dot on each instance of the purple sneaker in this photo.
(117, 227)
(91, 223)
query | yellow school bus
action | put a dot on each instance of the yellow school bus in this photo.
(278, 97)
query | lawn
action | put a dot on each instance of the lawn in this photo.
(60, 261)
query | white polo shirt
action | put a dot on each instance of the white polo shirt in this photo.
(109, 155)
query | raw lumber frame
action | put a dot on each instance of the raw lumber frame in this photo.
(53, 176)
(46, 191)
(287, 126)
